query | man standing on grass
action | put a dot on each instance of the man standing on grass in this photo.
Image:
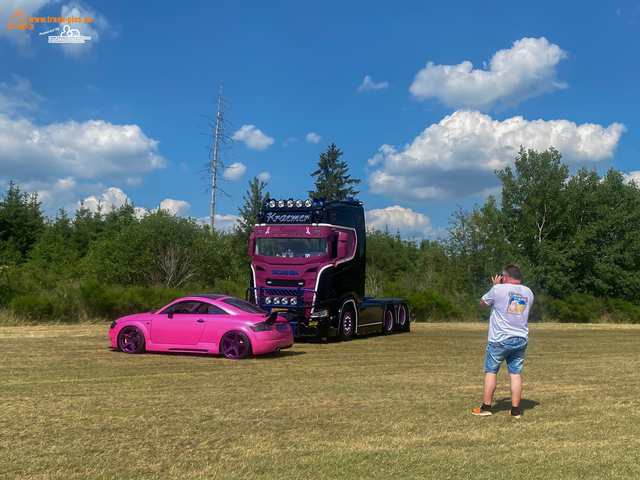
(508, 335)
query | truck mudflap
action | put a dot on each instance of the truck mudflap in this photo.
(289, 303)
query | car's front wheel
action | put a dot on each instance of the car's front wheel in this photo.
(235, 345)
(131, 340)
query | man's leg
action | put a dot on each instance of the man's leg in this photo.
(490, 381)
(516, 389)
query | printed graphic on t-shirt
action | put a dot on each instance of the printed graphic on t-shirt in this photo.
(517, 304)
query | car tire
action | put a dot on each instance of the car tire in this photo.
(404, 318)
(235, 345)
(347, 322)
(388, 320)
(131, 340)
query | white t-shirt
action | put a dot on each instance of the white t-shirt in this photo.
(509, 312)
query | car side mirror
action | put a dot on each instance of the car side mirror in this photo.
(170, 315)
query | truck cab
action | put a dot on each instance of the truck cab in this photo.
(308, 261)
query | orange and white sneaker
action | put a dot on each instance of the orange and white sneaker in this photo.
(515, 412)
(479, 412)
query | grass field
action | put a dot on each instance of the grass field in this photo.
(378, 407)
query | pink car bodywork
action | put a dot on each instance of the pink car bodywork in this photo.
(214, 324)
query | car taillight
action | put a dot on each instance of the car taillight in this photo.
(261, 327)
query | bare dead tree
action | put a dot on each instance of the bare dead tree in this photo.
(220, 131)
(173, 268)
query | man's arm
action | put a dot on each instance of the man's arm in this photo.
(496, 281)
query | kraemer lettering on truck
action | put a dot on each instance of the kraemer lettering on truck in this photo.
(308, 263)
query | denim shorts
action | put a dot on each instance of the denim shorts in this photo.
(511, 350)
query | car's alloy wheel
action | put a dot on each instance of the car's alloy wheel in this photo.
(131, 340)
(235, 345)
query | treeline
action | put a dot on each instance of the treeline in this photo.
(577, 238)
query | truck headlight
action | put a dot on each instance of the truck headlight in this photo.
(267, 300)
(285, 301)
(293, 301)
(276, 301)
(320, 313)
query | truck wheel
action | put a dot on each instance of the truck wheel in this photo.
(388, 320)
(404, 320)
(347, 323)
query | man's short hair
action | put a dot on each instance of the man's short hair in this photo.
(513, 271)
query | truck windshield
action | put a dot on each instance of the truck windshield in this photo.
(291, 247)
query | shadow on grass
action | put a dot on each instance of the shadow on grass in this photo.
(504, 405)
(264, 356)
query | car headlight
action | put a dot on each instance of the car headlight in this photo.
(293, 301)
(267, 300)
(261, 327)
(285, 301)
(280, 203)
(276, 301)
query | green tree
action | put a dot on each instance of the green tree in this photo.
(253, 203)
(332, 179)
(21, 223)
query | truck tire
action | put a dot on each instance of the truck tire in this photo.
(389, 319)
(404, 318)
(347, 323)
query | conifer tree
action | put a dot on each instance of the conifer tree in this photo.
(332, 179)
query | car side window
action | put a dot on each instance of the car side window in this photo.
(213, 310)
(188, 307)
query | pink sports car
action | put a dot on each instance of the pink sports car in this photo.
(216, 324)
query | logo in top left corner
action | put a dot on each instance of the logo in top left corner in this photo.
(19, 20)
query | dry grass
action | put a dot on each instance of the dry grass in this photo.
(374, 408)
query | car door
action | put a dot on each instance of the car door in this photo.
(180, 324)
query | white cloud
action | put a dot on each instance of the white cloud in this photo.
(526, 70)
(456, 158)
(264, 176)
(289, 141)
(91, 149)
(112, 196)
(234, 172)
(99, 25)
(313, 137)
(253, 137)
(368, 84)
(115, 197)
(19, 96)
(175, 207)
(400, 218)
(633, 176)
(221, 222)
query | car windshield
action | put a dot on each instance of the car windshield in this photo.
(291, 247)
(242, 305)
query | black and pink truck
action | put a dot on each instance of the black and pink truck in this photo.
(308, 262)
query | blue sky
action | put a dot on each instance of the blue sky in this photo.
(425, 99)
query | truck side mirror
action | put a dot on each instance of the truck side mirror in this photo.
(251, 244)
(342, 245)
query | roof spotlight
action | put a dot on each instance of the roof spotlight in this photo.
(298, 203)
(290, 203)
(308, 203)
(280, 203)
(272, 203)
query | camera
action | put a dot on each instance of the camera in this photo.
(502, 279)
